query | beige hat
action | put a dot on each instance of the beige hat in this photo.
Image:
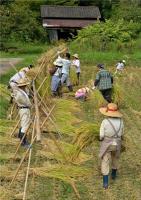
(58, 62)
(111, 110)
(76, 55)
(23, 82)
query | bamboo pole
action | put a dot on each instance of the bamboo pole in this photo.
(28, 166)
(12, 110)
(47, 116)
(41, 84)
(38, 131)
(23, 160)
(15, 128)
(56, 143)
(16, 173)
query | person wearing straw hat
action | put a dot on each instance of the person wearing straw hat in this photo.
(111, 132)
(103, 82)
(56, 78)
(76, 64)
(24, 104)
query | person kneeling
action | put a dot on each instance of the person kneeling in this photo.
(82, 94)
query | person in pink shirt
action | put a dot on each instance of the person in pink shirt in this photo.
(82, 93)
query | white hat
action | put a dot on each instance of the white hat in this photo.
(76, 55)
(58, 62)
(124, 61)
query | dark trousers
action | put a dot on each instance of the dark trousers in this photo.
(78, 77)
(107, 94)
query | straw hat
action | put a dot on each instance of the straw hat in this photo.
(58, 62)
(76, 55)
(111, 110)
(23, 82)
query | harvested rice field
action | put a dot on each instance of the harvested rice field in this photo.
(65, 164)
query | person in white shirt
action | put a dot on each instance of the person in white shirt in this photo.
(56, 78)
(111, 132)
(76, 64)
(24, 104)
(19, 75)
(66, 64)
(120, 66)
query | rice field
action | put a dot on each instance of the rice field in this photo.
(55, 172)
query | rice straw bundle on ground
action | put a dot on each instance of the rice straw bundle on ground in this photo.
(85, 135)
(62, 172)
(97, 99)
(51, 151)
(64, 113)
(6, 194)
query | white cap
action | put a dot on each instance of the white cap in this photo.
(124, 61)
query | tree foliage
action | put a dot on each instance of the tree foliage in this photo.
(101, 34)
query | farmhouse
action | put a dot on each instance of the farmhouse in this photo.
(64, 20)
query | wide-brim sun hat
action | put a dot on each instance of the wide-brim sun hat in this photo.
(111, 110)
(58, 62)
(23, 82)
(76, 55)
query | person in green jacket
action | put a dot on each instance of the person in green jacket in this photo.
(104, 82)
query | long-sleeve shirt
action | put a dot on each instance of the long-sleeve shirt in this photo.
(103, 80)
(66, 65)
(21, 98)
(76, 63)
(18, 76)
(106, 129)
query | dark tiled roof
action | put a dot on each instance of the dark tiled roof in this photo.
(79, 12)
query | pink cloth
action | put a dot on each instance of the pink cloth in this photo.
(81, 92)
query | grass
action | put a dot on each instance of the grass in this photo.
(110, 57)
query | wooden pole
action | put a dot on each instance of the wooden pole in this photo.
(16, 173)
(56, 143)
(15, 128)
(41, 84)
(28, 166)
(47, 116)
(38, 131)
(23, 158)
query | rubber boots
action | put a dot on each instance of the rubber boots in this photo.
(114, 173)
(105, 181)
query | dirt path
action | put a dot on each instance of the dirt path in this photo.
(5, 64)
